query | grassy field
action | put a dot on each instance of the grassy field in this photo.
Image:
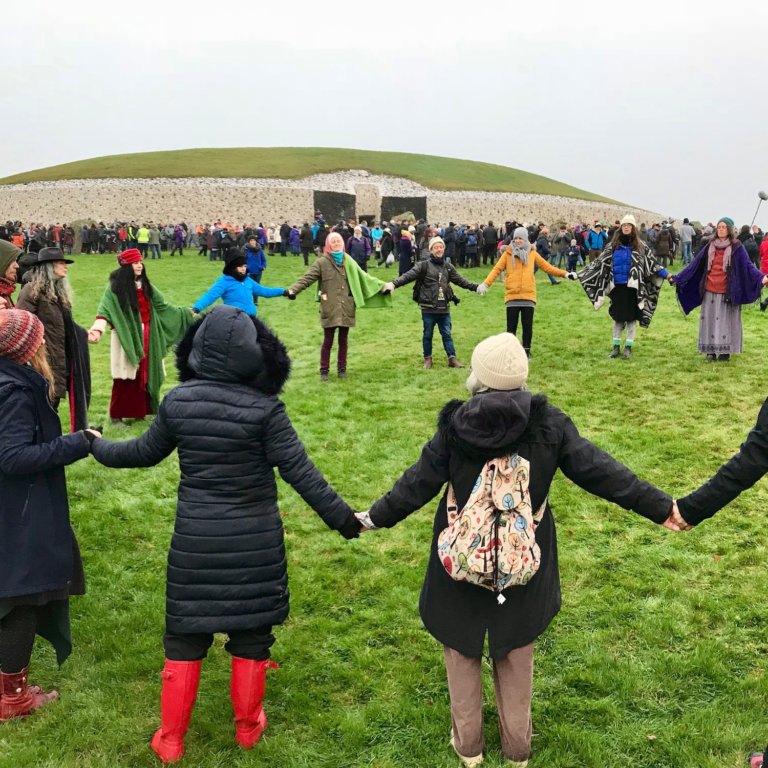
(657, 660)
(295, 162)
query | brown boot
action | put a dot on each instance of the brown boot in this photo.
(427, 362)
(453, 362)
(18, 699)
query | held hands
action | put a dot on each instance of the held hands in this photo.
(388, 288)
(572, 276)
(482, 289)
(365, 521)
(675, 521)
(93, 338)
(765, 279)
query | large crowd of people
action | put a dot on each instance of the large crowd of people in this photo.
(492, 572)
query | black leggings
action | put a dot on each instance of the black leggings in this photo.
(513, 314)
(17, 636)
(247, 644)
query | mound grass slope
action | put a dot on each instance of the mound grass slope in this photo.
(444, 173)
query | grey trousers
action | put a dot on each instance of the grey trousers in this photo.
(513, 682)
(619, 327)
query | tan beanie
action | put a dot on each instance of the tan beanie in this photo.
(435, 240)
(629, 219)
(498, 362)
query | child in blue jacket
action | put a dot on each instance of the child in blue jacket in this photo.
(235, 288)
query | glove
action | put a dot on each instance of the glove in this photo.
(388, 288)
(288, 294)
(482, 289)
(572, 276)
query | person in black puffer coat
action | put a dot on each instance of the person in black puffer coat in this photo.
(226, 566)
(501, 419)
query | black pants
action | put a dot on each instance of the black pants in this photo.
(17, 636)
(251, 644)
(305, 253)
(489, 251)
(513, 315)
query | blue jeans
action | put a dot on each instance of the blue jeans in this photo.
(154, 250)
(687, 252)
(443, 321)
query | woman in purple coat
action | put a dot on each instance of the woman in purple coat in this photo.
(178, 240)
(719, 279)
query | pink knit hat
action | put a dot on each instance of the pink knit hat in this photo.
(21, 333)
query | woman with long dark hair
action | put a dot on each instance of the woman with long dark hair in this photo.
(41, 564)
(144, 326)
(630, 276)
(720, 279)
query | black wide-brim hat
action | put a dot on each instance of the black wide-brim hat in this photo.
(52, 254)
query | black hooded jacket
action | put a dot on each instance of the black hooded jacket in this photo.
(469, 433)
(227, 566)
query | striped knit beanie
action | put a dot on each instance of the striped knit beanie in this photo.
(21, 333)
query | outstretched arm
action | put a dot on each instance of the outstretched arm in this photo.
(741, 472)
(419, 484)
(598, 472)
(285, 451)
(145, 451)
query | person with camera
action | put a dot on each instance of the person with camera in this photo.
(433, 293)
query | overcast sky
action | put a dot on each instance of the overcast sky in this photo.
(663, 105)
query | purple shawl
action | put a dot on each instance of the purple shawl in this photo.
(744, 280)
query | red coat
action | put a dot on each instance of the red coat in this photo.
(764, 256)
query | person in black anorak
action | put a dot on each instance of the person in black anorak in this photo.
(502, 421)
(226, 566)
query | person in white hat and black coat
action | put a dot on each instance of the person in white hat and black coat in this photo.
(501, 418)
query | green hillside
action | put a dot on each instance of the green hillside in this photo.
(295, 162)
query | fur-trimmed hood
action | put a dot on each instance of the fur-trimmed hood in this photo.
(228, 345)
(492, 422)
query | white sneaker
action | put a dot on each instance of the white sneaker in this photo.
(469, 762)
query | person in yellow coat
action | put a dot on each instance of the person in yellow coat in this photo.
(519, 260)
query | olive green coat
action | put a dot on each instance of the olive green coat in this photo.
(337, 306)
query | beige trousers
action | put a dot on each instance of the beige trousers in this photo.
(513, 681)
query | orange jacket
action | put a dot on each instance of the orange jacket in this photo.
(520, 282)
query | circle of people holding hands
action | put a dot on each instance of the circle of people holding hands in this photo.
(492, 573)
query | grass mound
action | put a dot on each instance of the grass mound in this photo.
(444, 173)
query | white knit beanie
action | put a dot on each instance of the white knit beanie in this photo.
(435, 240)
(629, 219)
(498, 362)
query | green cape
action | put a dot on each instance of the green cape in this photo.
(366, 289)
(167, 326)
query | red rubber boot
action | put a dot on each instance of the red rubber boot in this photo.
(18, 699)
(177, 700)
(249, 683)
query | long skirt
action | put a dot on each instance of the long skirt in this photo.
(719, 326)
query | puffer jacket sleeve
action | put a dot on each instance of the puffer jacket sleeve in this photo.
(145, 451)
(599, 473)
(738, 474)
(18, 453)
(419, 484)
(285, 451)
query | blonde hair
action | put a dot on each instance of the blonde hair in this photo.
(39, 363)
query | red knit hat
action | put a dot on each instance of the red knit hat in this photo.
(131, 256)
(21, 333)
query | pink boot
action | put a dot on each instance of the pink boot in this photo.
(249, 683)
(177, 700)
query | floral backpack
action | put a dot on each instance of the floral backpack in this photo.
(491, 542)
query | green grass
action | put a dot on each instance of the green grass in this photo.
(657, 659)
(295, 162)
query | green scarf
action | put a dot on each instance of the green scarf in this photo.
(167, 325)
(366, 289)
